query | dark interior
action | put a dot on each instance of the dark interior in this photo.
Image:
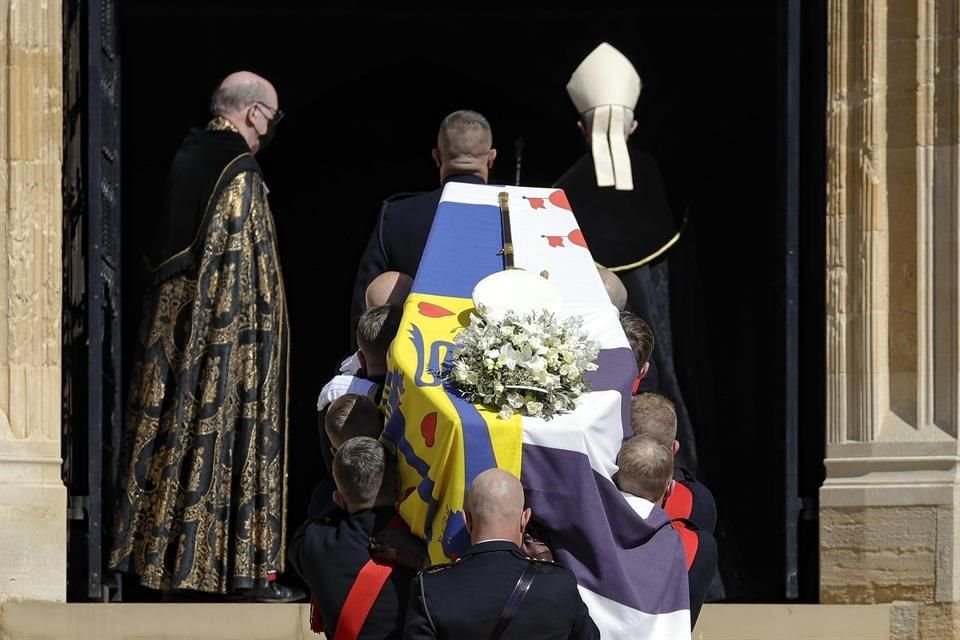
(364, 92)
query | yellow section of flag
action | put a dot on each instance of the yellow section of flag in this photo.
(441, 441)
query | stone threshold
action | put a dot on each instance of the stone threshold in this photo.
(56, 621)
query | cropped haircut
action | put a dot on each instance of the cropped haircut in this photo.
(464, 134)
(639, 335)
(645, 468)
(654, 415)
(358, 470)
(351, 416)
(377, 328)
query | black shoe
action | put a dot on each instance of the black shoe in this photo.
(273, 592)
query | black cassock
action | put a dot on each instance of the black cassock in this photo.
(631, 233)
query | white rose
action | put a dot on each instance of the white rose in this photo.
(508, 356)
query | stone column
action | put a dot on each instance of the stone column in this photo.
(889, 516)
(32, 495)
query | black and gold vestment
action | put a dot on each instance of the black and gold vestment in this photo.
(203, 465)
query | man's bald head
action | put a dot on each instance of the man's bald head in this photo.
(464, 145)
(390, 287)
(494, 507)
(614, 287)
(249, 102)
(240, 90)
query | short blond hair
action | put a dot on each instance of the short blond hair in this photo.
(376, 329)
(358, 471)
(645, 468)
(654, 415)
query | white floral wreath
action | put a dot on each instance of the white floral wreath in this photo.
(530, 364)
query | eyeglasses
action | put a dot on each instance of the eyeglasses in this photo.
(277, 113)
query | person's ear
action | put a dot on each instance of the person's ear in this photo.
(333, 450)
(435, 154)
(644, 370)
(580, 126)
(468, 520)
(525, 518)
(491, 157)
(362, 359)
(251, 117)
(670, 485)
(338, 499)
(675, 447)
(633, 127)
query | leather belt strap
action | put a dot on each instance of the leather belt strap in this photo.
(513, 602)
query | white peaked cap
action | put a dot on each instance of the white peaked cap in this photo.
(608, 83)
(515, 290)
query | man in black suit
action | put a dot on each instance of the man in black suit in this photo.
(464, 153)
(331, 551)
(493, 590)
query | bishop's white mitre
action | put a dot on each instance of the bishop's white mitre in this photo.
(608, 83)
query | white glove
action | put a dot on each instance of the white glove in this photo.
(351, 365)
(342, 385)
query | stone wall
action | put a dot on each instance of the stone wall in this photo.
(889, 520)
(32, 495)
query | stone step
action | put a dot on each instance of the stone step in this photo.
(49, 621)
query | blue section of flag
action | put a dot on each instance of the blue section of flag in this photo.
(477, 445)
(461, 251)
(395, 432)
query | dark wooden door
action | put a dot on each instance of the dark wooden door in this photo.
(92, 409)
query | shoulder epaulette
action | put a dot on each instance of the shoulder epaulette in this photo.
(403, 195)
(543, 561)
(437, 568)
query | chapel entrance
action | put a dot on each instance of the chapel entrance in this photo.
(364, 92)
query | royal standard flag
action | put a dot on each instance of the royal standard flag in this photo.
(631, 569)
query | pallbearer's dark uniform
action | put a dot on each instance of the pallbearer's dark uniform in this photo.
(700, 549)
(692, 500)
(398, 239)
(693, 512)
(330, 550)
(465, 600)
